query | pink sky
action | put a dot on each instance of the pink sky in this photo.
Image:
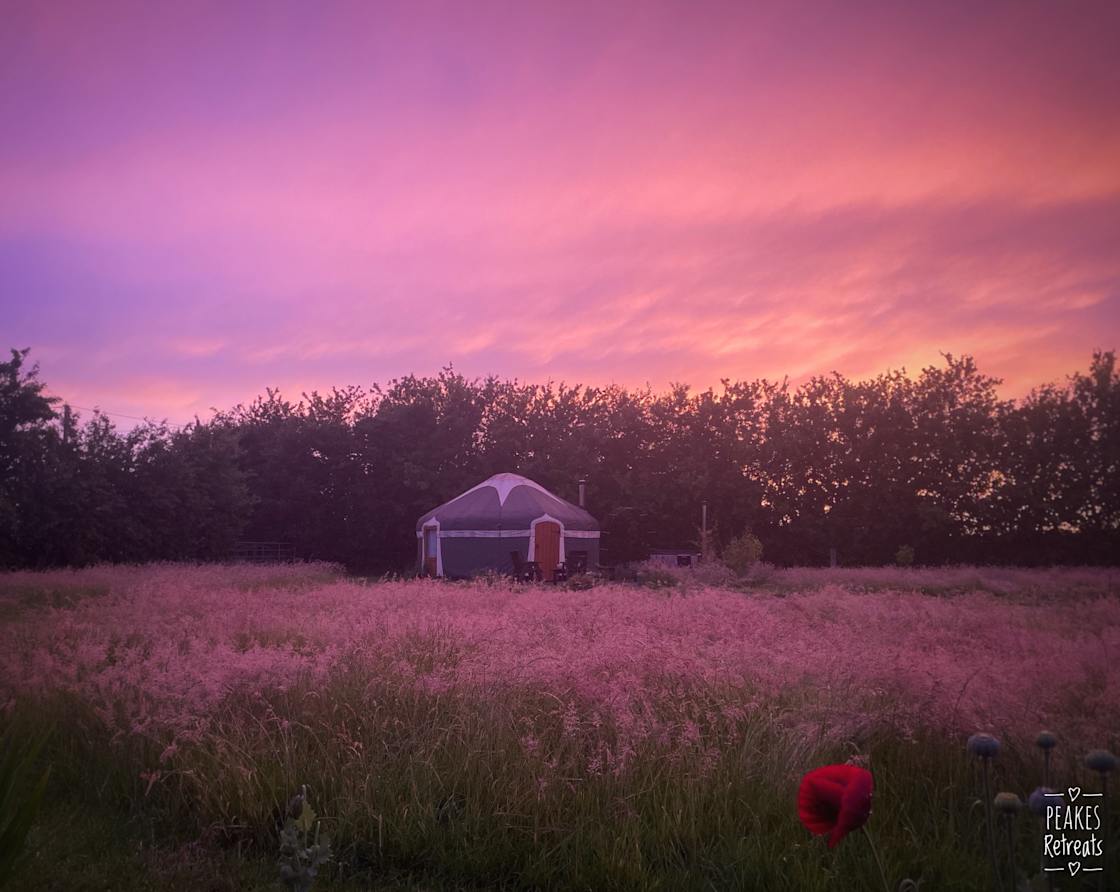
(200, 201)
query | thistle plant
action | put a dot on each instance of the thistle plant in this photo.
(301, 852)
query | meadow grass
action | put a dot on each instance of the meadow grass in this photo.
(17, 597)
(458, 737)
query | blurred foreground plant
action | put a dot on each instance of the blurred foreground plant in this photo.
(19, 801)
(302, 852)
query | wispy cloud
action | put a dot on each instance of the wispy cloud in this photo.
(204, 202)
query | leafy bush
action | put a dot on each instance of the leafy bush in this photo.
(581, 582)
(742, 553)
(904, 557)
(655, 576)
(759, 572)
(714, 573)
(706, 574)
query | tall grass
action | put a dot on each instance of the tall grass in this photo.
(535, 737)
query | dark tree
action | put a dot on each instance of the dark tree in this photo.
(938, 463)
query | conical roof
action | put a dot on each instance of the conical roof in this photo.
(507, 502)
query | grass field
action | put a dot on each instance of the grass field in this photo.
(471, 736)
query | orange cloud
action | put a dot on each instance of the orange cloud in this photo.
(193, 212)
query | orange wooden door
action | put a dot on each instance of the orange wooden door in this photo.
(547, 552)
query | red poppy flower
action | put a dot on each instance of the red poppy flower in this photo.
(836, 800)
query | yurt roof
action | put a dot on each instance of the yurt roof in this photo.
(508, 502)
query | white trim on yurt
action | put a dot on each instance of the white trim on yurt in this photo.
(504, 484)
(508, 534)
(432, 524)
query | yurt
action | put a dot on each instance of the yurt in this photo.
(501, 523)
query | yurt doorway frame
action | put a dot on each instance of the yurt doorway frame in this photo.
(546, 518)
(431, 529)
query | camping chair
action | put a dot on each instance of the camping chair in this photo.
(518, 565)
(560, 574)
(523, 571)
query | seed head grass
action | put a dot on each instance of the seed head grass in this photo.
(486, 736)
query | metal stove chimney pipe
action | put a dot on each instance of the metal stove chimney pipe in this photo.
(582, 493)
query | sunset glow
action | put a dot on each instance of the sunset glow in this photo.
(201, 201)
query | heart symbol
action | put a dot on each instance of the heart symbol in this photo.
(1074, 792)
(1074, 866)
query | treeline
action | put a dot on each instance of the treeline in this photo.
(938, 463)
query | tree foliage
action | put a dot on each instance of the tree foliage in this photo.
(936, 462)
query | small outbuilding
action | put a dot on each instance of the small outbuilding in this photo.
(674, 557)
(504, 521)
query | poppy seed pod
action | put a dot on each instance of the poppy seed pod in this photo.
(1008, 804)
(983, 746)
(1039, 800)
(1046, 740)
(295, 804)
(1100, 760)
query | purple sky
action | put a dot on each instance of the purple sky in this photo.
(198, 201)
